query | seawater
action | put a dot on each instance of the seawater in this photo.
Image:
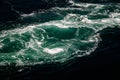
(57, 34)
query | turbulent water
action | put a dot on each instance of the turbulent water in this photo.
(57, 34)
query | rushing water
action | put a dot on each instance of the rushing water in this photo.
(57, 34)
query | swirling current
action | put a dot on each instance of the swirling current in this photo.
(57, 34)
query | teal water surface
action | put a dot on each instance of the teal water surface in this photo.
(57, 34)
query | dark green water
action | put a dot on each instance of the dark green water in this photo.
(57, 34)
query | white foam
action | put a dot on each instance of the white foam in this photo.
(27, 15)
(53, 50)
